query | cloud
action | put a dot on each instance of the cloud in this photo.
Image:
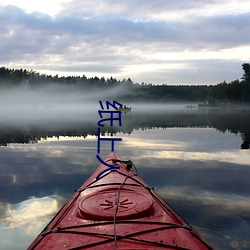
(141, 10)
(115, 38)
(57, 33)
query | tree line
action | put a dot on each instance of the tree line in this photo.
(235, 122)
(236, 91)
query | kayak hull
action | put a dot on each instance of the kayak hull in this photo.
(117, 211)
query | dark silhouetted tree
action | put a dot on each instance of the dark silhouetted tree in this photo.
(246, 69)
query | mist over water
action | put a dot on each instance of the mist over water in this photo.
(60, 102)
(45, 103)
(58, 109)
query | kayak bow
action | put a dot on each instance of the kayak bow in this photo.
(117, 211)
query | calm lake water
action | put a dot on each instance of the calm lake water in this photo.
(197, 160)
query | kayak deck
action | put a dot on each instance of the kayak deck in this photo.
(117, 211)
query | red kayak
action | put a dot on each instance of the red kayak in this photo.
(117, 210)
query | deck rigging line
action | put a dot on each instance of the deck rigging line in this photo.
(130, 174)
(115, 237)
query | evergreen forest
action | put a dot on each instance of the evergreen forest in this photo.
(224, 93)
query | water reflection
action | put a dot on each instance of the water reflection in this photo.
(33, 209)
(20, 222)
(191, 159)
(234, 121)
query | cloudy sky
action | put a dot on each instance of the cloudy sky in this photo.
(154, 41)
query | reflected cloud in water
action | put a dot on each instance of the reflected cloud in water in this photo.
(199, 171)
(31, 209)
(226, 216)
(184, 139)
(21, 222)
(235, 156)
